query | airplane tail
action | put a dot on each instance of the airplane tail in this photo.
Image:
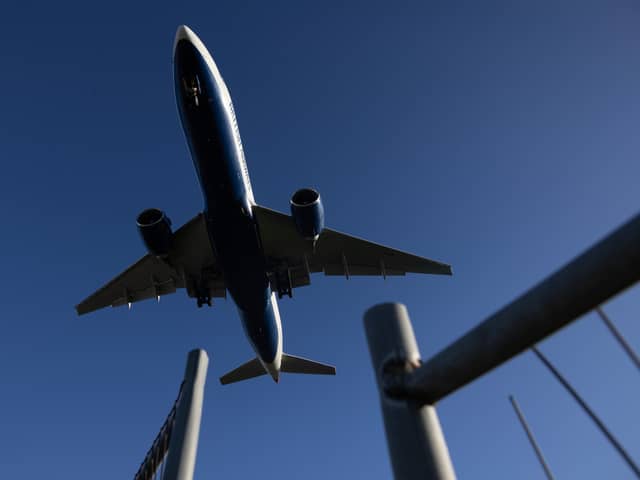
(290, 364)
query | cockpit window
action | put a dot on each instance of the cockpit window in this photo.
(192, 88)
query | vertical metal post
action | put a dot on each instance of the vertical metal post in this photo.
(183, 446)
(416, 443)
(532, 439)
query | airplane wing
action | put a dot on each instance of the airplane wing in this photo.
(190, 264)
(335, 253)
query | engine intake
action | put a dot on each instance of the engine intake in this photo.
(155, 229)
(308, 213)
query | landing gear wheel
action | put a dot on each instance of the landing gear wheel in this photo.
(204, 301)
(283, 292)
(283, 284)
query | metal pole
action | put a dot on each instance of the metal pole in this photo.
(627, 458)
(183, 445)
(416, 444)
(532, 439)
(621, 340)
(604, 270)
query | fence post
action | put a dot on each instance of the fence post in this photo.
(416, 443)
(183, 446)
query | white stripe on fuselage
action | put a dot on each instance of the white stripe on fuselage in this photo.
(185, 33)
(274, 368)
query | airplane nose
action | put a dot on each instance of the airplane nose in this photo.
(183, 33)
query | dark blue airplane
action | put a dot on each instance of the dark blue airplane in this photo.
(235, 245)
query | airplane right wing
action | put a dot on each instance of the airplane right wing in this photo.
(190, 264)
(335, 253)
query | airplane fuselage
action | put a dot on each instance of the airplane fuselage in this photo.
(211, 130)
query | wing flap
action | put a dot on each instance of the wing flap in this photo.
(333, 269)
(335, 253)
(190, 264)
(362, 257)
(147, 278)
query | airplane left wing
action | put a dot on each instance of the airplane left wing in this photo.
(335, 253)
(190, 264)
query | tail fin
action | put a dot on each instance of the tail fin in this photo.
(292, 364)
(253, 368)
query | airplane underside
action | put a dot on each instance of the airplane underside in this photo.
(236, 245)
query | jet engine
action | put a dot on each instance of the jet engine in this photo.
(155, 229)
(307, 213)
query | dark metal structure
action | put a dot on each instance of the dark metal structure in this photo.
(158, 451)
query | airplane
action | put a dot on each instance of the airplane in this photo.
(235, 245)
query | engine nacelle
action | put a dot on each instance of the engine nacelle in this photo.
(308, 213)
(155, 229)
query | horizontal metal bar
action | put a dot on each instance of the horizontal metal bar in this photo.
(606, 269)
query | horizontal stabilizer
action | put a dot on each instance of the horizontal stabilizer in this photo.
(253, 368)
(292, 364)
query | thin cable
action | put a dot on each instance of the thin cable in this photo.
(532, 439)
(627, 458)
(619, 337)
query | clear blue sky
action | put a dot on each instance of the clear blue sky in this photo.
(500, 137)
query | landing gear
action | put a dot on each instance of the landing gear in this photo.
(204, 301)
(283, 283)
(283, 292)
